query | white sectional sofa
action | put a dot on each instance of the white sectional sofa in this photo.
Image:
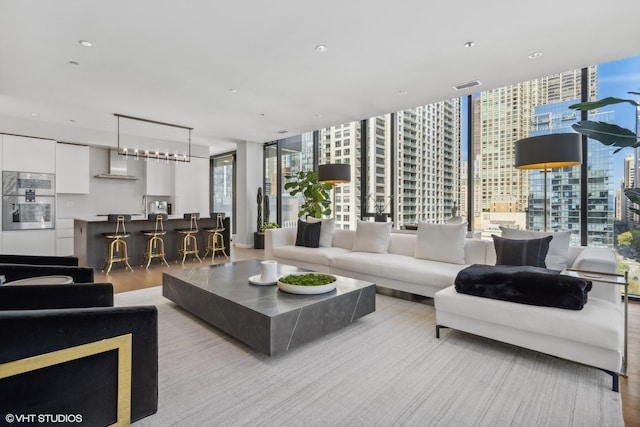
(592, 336)
(399, 269)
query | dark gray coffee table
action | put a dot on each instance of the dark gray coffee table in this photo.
(267, 319)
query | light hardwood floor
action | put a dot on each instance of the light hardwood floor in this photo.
(124, 281)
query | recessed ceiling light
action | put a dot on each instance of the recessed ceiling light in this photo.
(74, 63)
(72, 121)
(535, 55)
(469, 44)
(317, 116)
(321, 48)
(85, 43)
(233, 90)
(262, 114)
(402, 92)
(34, 114)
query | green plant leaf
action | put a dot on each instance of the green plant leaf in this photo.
(607, 133)
(635, 211)
(633, 194)
(592, 105)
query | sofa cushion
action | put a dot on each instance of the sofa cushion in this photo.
(441, 242)
(307, 255)
(326, 230)
(308, 234)
(531, 252)
(398, 267)
(558, 255)
(598, 324)
(372, 237)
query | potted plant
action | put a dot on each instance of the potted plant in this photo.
(610, 134)
(380, 205)
(258, 236)
(316, 194)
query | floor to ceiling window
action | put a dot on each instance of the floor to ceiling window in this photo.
(456, 157)
(283, 158)
(223, 185)
(341, 144)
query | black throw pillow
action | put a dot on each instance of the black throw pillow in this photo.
(308, 234)
(521, 252)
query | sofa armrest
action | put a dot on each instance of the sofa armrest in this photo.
(76, 379)
(23, 271)
(275, 237)
(40, 297)
(599, 260)
(596, 259)
(38, 260)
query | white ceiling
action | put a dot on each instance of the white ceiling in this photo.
(177, 61)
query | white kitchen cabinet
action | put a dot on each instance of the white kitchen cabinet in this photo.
(64, 236)
(72, 169)
(159, 177)
(25, 154)
(29, 242)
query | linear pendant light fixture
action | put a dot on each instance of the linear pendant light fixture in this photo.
(167, 155)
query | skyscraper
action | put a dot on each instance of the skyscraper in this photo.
(502, 117)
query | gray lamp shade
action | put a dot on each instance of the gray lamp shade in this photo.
(556, 150)
(334, 173)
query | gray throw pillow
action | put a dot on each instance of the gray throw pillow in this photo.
(521, 252)
(308, 234)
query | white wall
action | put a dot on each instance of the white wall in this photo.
(249, 173)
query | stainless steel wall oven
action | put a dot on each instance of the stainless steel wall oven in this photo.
(28, 200)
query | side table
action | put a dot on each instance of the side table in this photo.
(614, 279)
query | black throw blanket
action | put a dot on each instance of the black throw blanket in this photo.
(523, 284)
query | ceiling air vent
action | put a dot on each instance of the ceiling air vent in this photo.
(467, 85)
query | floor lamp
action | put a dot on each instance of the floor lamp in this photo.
(556, 150)
(335, 173)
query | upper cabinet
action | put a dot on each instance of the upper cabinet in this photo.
(25, 154)
(72, 169)
(159, 178)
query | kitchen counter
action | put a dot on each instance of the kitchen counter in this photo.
(91, 247)
(134, 217)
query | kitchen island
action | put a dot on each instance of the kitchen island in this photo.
(91, 247)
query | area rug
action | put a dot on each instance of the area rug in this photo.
(386, 369)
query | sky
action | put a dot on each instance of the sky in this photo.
(616, 79)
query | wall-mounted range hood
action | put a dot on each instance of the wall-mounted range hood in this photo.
(117, 167)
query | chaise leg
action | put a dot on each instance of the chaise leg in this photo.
(438, 330)
(616, 380)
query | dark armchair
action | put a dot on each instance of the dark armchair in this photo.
(70, 353)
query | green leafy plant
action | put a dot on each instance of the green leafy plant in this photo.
(607, 133)
(610, 134)
(316, 194)
(268, 225)
(310, 279)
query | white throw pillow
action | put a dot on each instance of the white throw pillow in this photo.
(372, 237)
(326, 230)
(441, 242)
(558, 255)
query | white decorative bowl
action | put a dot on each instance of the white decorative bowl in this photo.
(307, 290)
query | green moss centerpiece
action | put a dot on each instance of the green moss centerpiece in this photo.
(307, 283)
